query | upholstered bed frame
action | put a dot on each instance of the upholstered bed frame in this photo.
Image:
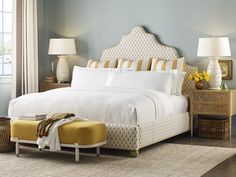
(139, 44)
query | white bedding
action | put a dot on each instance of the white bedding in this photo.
(107, 104)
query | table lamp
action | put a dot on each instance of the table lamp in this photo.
(214, 48)
(62, 47)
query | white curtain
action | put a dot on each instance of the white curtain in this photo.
(25, 48)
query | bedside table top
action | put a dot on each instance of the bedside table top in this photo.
(45, 86)
(208, 90)
(55, 83)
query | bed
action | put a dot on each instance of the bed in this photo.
(95, 103)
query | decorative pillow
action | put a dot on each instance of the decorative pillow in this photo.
(92, 76)
(162, 65)
(137, 65)
(98, 64)
(89, 77)
(112, 63)
(160, 81)
(177, 82)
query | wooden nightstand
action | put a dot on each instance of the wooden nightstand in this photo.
(49, 86)
(213, 102)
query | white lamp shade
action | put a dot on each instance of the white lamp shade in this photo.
(61, 46)
(213, 47)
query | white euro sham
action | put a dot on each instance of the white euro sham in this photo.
(92, 76)
(177, 82)
(160, 81)
(88, 77)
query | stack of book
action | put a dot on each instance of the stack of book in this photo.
(36, 117)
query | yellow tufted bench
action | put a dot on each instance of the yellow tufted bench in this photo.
(77, 134)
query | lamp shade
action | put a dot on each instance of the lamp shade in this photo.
(213, 47)
(61, 46)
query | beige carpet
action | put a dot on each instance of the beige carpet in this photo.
(159, 160)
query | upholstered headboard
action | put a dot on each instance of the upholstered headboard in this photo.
(139, 44)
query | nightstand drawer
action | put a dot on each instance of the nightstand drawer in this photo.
(220, 98)
(206, 108)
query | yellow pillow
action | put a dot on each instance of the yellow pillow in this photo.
(162, 65)
(137, 65)
(98, 64)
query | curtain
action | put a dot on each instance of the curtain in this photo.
(25, 48)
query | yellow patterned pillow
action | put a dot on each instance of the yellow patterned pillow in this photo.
(162, 65)
(98, 64)
(137, 65)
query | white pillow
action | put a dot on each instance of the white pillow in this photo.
(161, 81)
(91, 77)
(178, 82)
(88, 77)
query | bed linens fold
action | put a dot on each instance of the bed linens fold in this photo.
(107, 104)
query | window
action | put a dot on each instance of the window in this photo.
(5, 37)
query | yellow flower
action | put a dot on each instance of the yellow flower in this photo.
(196, 76)
(196, 79)
(207, 78)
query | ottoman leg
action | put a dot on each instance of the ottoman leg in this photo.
(76, 152)
(17, 149)
(98, 151)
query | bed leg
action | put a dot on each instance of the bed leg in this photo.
(76, 152)
(134, 153)
(17, 149)
(98, 151)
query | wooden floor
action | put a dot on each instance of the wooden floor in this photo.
(225, 169)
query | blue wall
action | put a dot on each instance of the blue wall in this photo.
(99, 24)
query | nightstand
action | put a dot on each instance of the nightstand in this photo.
(213, 103)
(49, 86)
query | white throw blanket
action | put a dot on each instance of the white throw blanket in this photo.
(52, 140)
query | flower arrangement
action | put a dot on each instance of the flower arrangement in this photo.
(198, 78)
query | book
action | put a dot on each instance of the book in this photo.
(36, 117)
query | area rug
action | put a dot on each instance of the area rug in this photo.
(160, 160)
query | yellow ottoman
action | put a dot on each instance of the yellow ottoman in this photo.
(77, 134)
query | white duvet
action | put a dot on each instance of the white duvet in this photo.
(107, 104)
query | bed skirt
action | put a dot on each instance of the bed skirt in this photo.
(134, 137)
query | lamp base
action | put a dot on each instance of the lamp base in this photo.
(62, 70)
(214, 71)
(215, 88)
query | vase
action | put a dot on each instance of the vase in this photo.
(199, 85)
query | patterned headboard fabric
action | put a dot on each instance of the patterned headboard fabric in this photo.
(139, 44)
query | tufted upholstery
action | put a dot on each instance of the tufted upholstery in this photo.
(188, 85)
(134, 137)
(139, 44)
